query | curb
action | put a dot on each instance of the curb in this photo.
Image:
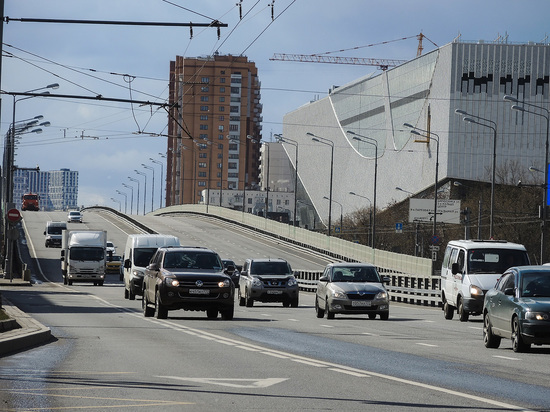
(29, 333)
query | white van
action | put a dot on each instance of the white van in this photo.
(53, 233)
(137, 254)
(472, 267)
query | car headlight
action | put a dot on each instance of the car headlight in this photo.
(536, 316)
(256, 282)
(381, 295)
(339, 294)
(292, 281)
(137, 274)
(172, 282)
(224, 283)
(475, 290)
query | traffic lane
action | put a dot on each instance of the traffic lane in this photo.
(114, 357)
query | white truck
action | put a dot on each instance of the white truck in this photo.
(83, 256)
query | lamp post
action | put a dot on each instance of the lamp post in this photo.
(144, 189)
(125, 200)
(295, 144)
(118, 201)
(429, 135)
(341, 213)
(153, 185)
(546, 149)
(331, 144)
(470, 118)
(161, 178)
(137, 197)
(370, 214)
(373, 142)
(131, 196)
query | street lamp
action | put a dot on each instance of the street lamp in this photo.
(403, 190)
(118, 201)
(428, 136)
(295, 144)
(125, 200)
(153, 185)
(341, 213)
(161, 178)
(370, 214)
(131, 196)
(144, 189)
(373, 142)
(331, 144)
(470, 118)
(546, 149)
(137, 181)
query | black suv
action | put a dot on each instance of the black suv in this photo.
(268, 280)
(189, 278)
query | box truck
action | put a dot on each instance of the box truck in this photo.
(83, 256)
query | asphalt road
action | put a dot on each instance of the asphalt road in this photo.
(108, 356)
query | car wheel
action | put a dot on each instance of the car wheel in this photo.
(131, 294)
(489, 340)
(294, 303)
(147, 310)
(372, 315)
(160, 310)
(249, 302)
(463, 315)
(212, 313)
(385, 315)
(320, 312)
(448, 311)
(286, 304)
(227, 314)
(100, 283)
(330, 315)
(518, 345)
(126, 293)
(64, 280)
(242, 301)
(69, 282)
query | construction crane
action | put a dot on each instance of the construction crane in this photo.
(382, 64)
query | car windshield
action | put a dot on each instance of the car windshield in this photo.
(74, 213)
(493, 261)
(355, 274)
(269, 268)
(535, 284)
(55, 230)
(142, 256)
(192, 260)
(87, 253)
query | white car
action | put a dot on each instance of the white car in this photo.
(110, 247)
(74, 216)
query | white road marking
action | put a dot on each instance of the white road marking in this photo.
(505, 357)
(359, 375)
(427, 344)
(232, 382)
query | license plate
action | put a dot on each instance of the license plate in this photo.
(199, 291)
(274, 292)
(360, 303)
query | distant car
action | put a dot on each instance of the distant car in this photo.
(232, 270)
(110, 247)
(518, 308)
(74, 216)
(113, 264)
(189, 278)
(268, 280)
(352, 288)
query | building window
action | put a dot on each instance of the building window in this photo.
(235, 90)
(202, 183)
(222, 89)
(204, 98)
(202, 174)
(220, 128)
(202, 164)
(202, 155)
(233, 127)
(222, 108)
(204, 108)
(232, 165)
(203, 127)
(205, 80)
(204, 89)
(204, 117)
(233, 109)
(222, 79)
(220, 146)
(222, 99)
(221, 118)
(203, 136)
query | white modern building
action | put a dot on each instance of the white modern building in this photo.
(425, 93)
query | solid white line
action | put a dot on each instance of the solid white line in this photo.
(427, 344)
(506, 357)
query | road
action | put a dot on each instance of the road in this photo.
(108, 356)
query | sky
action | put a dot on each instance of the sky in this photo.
(106, 142)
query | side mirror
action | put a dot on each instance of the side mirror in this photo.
(153, 266)
(386, 280)
(44, 233)
(127, 264)
(509, 291)
(230, 269)
(454, 268)
(323, 279)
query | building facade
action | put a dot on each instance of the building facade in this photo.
(214, 127)
(58, 189)
(425, 92)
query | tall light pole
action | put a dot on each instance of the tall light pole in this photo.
(331, 144)
(137, 181)
(131, 197)
(295, 144)
(117, 201)
(125, 200)
(144, 190)
(429, 136)
(374, 142)
(471, 118)
(341, 213)
(546, 149)
(370, 214)
(152, 186)
(161, 178)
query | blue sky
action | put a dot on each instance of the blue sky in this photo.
(133, 63)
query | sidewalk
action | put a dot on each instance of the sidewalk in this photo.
(26, 332)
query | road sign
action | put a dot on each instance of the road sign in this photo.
(399, 228)
(422, 211)
(13, 215)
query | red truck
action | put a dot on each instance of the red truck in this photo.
(30, 201)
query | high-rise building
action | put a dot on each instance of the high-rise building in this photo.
(214, 126)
